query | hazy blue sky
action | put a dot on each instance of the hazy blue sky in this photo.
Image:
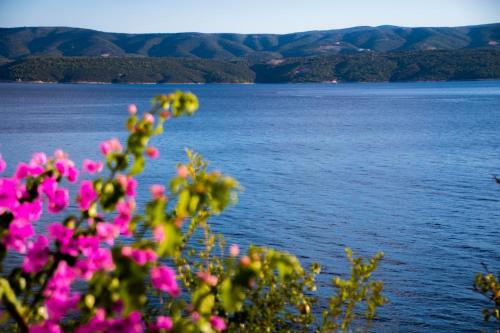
(274, 16)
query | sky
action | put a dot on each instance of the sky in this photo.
(244, 16)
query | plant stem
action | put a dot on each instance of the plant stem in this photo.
(12, 309)
(38, 297)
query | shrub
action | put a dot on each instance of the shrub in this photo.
(489, 286)
(110, 267)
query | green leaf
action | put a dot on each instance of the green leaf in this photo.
(193, 203)
(155, 211)
(117, 161)
(138, 165)
(182, 203)
(136, 144)
(172, 241)
(184, 103)
(7, 295)
(232, 296)
(203, 300)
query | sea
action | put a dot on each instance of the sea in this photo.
(403, 168)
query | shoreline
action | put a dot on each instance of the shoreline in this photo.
(130, 83)
(236, 83)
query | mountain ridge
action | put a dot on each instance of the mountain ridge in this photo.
(19, 42)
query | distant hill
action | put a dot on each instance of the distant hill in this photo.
(61, 41)
(436, 65)
(125, 70)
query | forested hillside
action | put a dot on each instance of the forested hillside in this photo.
(62, 41)
(399, 66)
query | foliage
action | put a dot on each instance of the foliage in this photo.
(358, 67)
(437, 65)
(110, 267)
(126, 70)
(353, 291)
(489, 286)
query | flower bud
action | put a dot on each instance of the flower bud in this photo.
(245, 261)
(152, 152)
(234, 250)
(157, 191)
(164, 115)
(132, 109)
(149, 118)
(182, 171)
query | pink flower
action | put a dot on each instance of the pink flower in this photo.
(59, 305)
(60, 155)
(30, 211)
(3, 165)
(61, 280)
(48, 186)
(131, 324)
(61, 167)
(8, 193)
(128, 184)
(234, 250)
(38, 255)
(64, 236)
(164, 323)
(58, 201)
(19, 231)
(21, 194)
(132, 109)
(38, 159)
(182, 171)
(100, 259)
(45, 327)
(152, 152)
(157, 191)
(92, 167)
(104, 258)
(22, 171)
(87, 194)
(36, 170)
(66, 168)
(109, 146)
(163, 278)
(88, 244)
(217, 323)
(107, 232)
(58, 197)
(99, 324)
(208, 278)
(59, 232)
(124, 209)
(72, 175)
(59, 298)
(141, 257)
(126, 251)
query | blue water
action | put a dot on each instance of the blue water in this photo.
(403, 168)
